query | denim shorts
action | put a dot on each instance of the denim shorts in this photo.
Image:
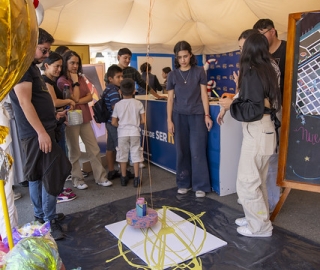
(112, 140)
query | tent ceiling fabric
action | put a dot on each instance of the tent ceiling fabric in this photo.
(210, 26)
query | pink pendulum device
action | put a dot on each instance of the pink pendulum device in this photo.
(142, 217)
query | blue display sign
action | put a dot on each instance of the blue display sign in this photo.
(222, 71)
(158, 142)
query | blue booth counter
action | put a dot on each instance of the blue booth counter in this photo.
(224, 144)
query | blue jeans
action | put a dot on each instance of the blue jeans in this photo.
(44, 204)
(62, 142)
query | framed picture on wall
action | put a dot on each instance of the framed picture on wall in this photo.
(82, 50)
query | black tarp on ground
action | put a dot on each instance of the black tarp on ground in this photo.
(88, 244)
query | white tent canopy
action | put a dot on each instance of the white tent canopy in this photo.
(210, 26)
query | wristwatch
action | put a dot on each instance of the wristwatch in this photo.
(75, 84)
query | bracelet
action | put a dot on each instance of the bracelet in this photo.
(207, 115)
(75, 84)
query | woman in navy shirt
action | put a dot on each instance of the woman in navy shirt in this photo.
(189, 120)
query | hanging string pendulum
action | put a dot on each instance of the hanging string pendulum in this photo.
(142, 216)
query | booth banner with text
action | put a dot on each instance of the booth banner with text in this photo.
(221, 71)
(158, 142)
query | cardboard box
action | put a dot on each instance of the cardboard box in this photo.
(86, 165)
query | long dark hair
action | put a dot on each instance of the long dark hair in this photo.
(53, 57)
(66, 56)
(246, 33)
(183, 46)
(255, 55)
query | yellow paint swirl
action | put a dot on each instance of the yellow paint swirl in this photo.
(160, 250)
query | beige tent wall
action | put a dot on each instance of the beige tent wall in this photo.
(210, 26)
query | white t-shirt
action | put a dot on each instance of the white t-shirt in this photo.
(128, 112)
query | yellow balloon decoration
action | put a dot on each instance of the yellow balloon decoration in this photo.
(18, 41)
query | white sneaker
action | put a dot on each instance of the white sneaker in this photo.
(243, 230)
(241, 221)
(106, 183)
(16, 195)
(238, 201)
(200, 194)
(141, 165)
(81, 186)
(183, 190)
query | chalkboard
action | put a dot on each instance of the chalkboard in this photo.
(299, 156)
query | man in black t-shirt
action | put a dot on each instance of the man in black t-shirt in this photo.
(46, 166)
(277, 47)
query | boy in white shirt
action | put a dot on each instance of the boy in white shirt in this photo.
(128, 115)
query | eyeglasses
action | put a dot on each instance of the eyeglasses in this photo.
(266, 31)
(44, 50)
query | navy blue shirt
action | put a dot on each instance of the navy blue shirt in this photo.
(111, 97)
(187, 90)
(41, 101)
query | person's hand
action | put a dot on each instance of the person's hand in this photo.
(208, 122)
(162, 98)
(236, 77)
(72, 104)
(220, 116)
(61, 114)
(74, 77)
(45, 143)
(225, 103)
(170, 127)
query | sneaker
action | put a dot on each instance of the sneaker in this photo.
(58, 217)
(66, 197)
(56, 231)
(38, 219)
(243, 230)
(141, 165)
(238, 201)
(67, 191)
(124, 180)
(136, 181)
(81, 186)
(106, 183)
(24, 183)
(113, 175)
(16, 195)
(84, 174)
(183, 190)
(200, 194)
(130, 175)
(241, 221)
